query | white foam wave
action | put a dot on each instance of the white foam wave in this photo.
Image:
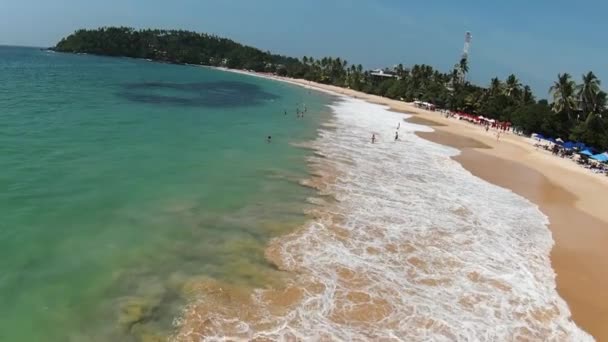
(424, 250)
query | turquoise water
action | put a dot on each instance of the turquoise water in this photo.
(122, 179)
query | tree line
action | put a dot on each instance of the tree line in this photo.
(576, 112)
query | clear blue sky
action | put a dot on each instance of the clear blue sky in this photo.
(535, 39)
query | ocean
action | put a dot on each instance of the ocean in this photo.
(122, 181)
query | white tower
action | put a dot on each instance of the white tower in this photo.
(464, 60)
(467, 44)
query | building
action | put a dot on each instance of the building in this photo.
(383, 73)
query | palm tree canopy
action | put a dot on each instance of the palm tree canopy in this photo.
(563, 91)
(512, 85)
(587, 91)
(464, 65)
(495, 86)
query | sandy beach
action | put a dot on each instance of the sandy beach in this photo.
(571, 197)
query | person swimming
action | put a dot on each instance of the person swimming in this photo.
(269, 139)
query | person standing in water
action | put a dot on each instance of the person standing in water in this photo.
(285, 111)
(398, 125)
(396, 136)
(269, 139)
(373, 138)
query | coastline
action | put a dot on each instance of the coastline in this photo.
(570, 196)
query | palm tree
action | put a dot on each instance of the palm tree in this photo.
(463, 66)
(587, 91)
(495, 86)
(600, 102)
(527, 97)
(512, 86)
(563, 94)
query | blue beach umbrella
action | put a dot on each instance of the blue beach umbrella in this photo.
(586, 153)
(568, 145)
(550, 139)
(602, 157)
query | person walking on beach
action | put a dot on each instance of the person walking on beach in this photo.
(396, 136)
(498, 136)
(373, 138)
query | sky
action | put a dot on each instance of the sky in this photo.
(534, 39)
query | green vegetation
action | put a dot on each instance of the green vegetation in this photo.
(578, 112)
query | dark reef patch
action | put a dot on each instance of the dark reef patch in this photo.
(199, 94)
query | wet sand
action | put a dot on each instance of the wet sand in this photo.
(572, 198)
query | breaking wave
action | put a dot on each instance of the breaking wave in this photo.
(404, 244)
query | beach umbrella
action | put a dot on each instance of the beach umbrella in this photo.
(559, 140)
(579, 145)
(602, 157)
(586, 153)
(568, 145)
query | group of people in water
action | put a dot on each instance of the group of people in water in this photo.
(299, 114)
(396, 134)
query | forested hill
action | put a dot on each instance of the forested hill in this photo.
(174, 46)
(576, 112)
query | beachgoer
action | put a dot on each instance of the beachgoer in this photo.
(373, 138)
(396, 136)
(398, 125)
(285, 111)
(487, 127)
(498, 136)
(269, 139)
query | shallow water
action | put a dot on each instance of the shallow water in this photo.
(405, 244)
(123, 181)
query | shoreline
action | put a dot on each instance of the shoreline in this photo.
(570, 196)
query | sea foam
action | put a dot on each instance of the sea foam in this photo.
(407, 245)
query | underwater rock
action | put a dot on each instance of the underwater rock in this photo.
(198, 285)
(144, 333)
(135, 309)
